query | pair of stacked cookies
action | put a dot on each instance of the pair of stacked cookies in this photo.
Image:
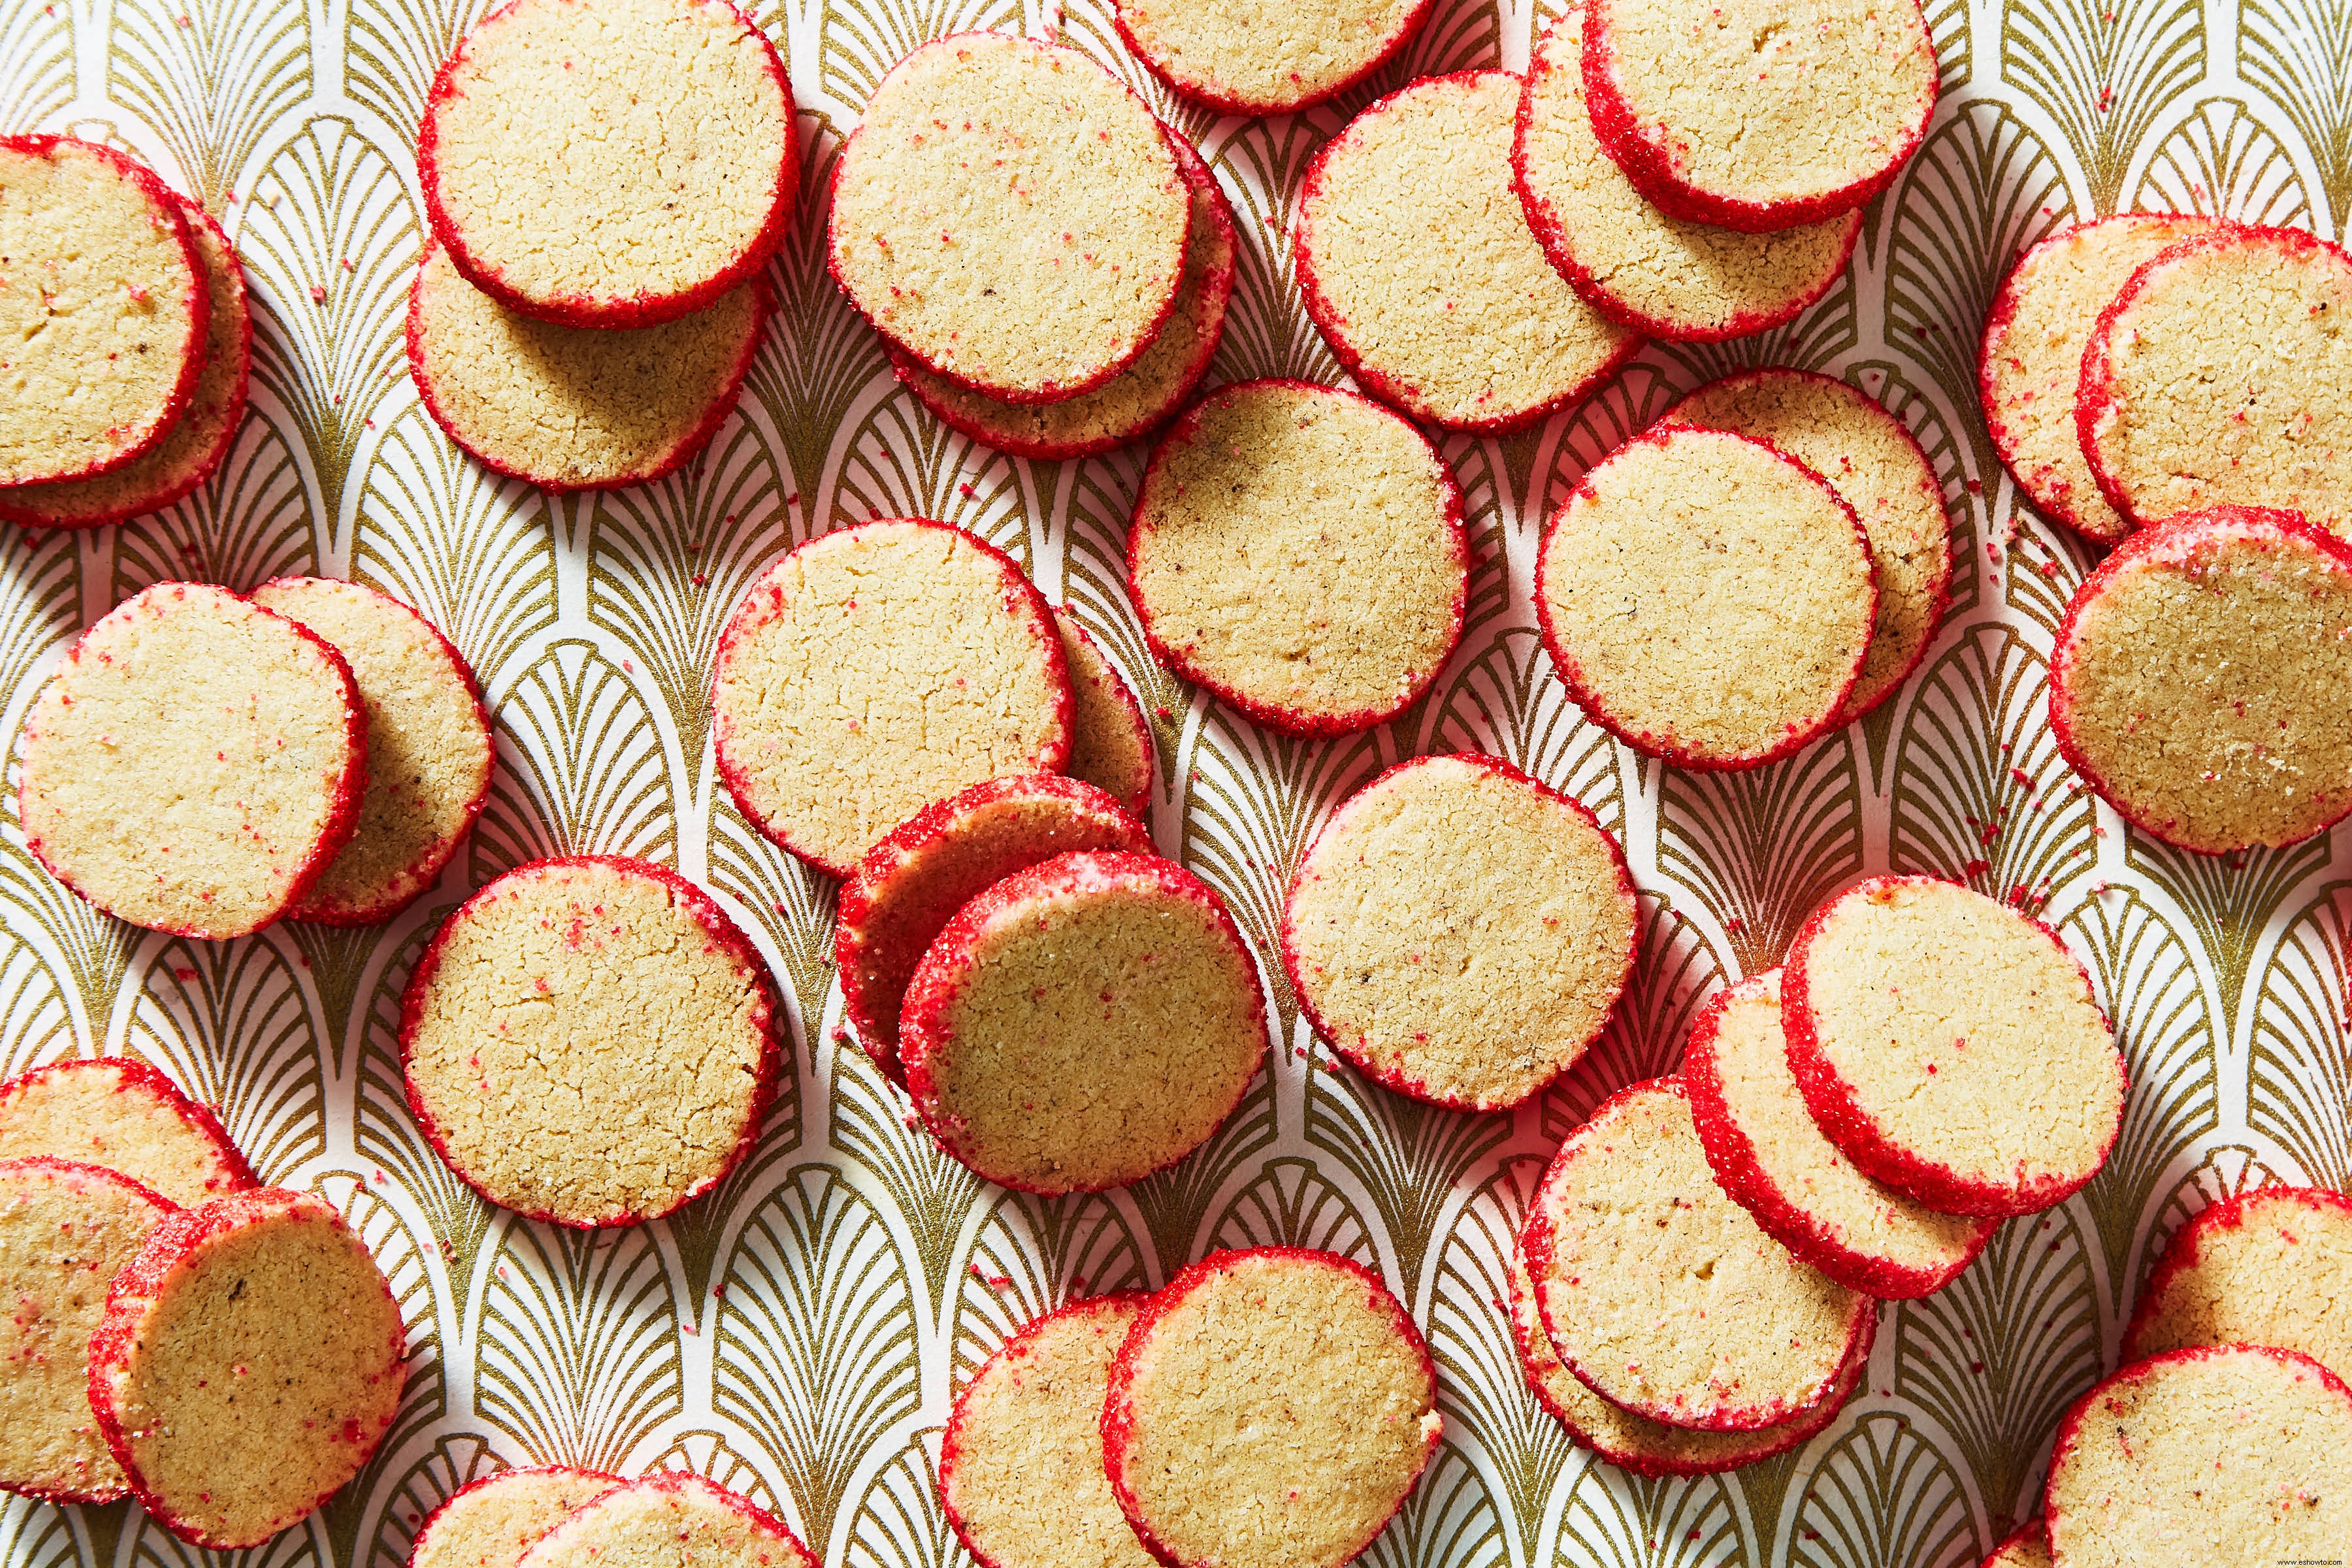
(558, 1516)
(606, 185)
(123, 307)
(1270, 1408)
(167, 1310)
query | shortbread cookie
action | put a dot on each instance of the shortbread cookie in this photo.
(196, 764)
(1662, 1295)
(65, 1231)
(248, 1365)
(2272, 1267)
(675, 1520)
(1756, 114)
(1110, 744)
(1082, 1024)
(197, 440)
(1300, 551)
(2198, 678)
(1021, 1465)
(2217, 1455)
(1707, 598)
(104, 311)
(2029, 1548)
(1460, 932)
(1950, 1047)
(1138, 398)
(613, 165)
(1307, 1382)
(119, 1112)
(1688, 282)
(576, 408)
(429, 738)
(876, 670)
(1010, 215)
(1650, 1447)
(491, 1522)
(1767, 1154)
(2030, 362)
(1426, 282)
(909, 886)
(1873, 462)
(2218, 376)
(1260, 60)
(590, 1041)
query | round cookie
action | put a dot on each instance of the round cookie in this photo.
(2029, 1548)
(1950, 1047)
(119, 1112)
(2196, 675)
(1255, 60)
(1875, 463)
(1304, 1378)
(1758, 114)
(64, 1230)
(1767, 1154)
(2221, 1454)
(197, 440)
(609, 165)
(874, 670)
(1650, 1447)
(673, 1519)
(195, 764)
(1706, 598)
(1300, 551)
(1460, 932)
(1686, 282)
(2272, 1267)
(590, 1041)
(909, 886)
(567, 408)
(2218, 376)
(1010, 215)
(1631, 1245)
(1020, 1464)
(1082, 1024)
(428, 759)
(491, 1522)
(1138, 398)
(1110, 744)
(104, 311)
(2031, 360)
(258, 1291)
(1427, 282)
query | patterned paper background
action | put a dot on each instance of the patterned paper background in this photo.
(801, 1334)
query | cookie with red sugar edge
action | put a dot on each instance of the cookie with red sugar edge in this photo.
(104, 356)
(1021, 1465)
(1082, 1024)
(1662, 1295)
(2031, 360)
(119, 1112)
(261, 1290)
(1249, 59)
(2028, 1548)
(491, 1522)
(2219, 376)
(2193, 684)
(1950, 1047)
(675, 1519)
(197, 440)
(2266, 1268)
(1110, 744)
(64, 1230)
(635, 1079)
(909, 886)
(1767, 1154)
(618, 164)
(2221, 1454)
(1309, 1383)
(245, 725)
(874, 670)
(1756, 114)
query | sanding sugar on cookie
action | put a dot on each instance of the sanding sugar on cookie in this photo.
(1427, 282)
(2272, 1267)
(491, 1522)
(1253, 58)
(119, 1112)
(1299, 550)
(1110, 743)
(672, 1519)
(2028, 1548)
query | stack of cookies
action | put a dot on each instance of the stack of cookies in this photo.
(557, 1516)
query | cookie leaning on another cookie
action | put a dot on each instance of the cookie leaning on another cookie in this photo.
(119, 1112)
(2267, 1267)
(1110, 744)
(491, 1522)
(675, 1520)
